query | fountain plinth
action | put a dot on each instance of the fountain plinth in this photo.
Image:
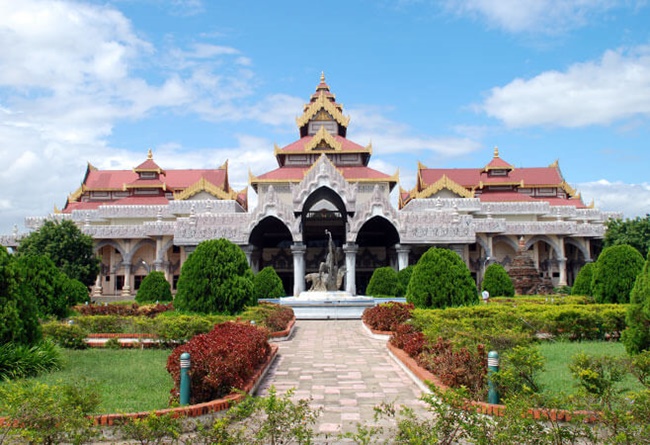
(324, 300)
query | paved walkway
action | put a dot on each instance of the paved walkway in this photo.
(344, 370)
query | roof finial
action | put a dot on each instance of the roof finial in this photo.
(150, 154)
(496, 151)
(322, 77)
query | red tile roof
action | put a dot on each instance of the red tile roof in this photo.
(296, 174)
(174, 179)
(472, 177)
(299, 145)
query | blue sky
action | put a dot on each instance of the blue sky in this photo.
(440, 82)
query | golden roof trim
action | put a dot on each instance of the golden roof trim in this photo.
(555, 164)
(203, 185)
(445, 183)
(74, 196)
(323, 135)
(322, 103)
(568, 189)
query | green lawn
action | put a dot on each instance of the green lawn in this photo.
(129, 380)
(557, 378)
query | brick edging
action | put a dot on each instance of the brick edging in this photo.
(200, 409)
(484, 407)
(286, 332)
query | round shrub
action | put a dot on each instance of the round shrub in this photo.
(616, 271)
(215, 278)
(441, 279)
(388, 316)
(75, 291)
(404, 276)
(154, 288)
(636, 337)
(42, 280)
(225, 358)
(582, 285)
(497, 281)
(383, 282)
(267, 284)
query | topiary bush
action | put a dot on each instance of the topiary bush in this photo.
(267, 284)
(154, 288)
(215, 278)
(441, 279)
(497, 281)
(582, 285)
(224, 359)
(615, 274)
(636, 336)
(404, 277)
(384, 282)
(75, 291)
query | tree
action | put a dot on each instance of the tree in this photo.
(404, 276)
(18, 313)
(215, 278)
(582, 284)
(615, 273)
(636, 337)
(634, 232)
(441, 279)
(497, 281)
(267, 284)
(40, 279)
(384, 282)
(154, 287)
(75, 291)
(70, 250)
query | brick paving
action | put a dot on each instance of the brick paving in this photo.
(344, 370)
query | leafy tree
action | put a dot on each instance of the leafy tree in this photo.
(215, 278)
(616, 271)
(69, 249)
(582, 285)
(74, 290)
(634, 232)
(154, 287)
(636, 336)
(497, 281)
(404, 276)
(267, 284)
(441, 279)
(384, 282)
(18, 313)
(40, 279)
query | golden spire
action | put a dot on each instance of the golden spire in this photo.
(322, 77)
(496, 151)
(150, 154)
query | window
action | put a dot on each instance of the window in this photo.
(148, 175)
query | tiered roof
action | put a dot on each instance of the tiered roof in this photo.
(498, 181)
(322, 128)
(149, 184)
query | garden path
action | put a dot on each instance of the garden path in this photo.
(343, 369)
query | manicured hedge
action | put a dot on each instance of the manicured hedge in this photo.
(221, 360)
(385, 282)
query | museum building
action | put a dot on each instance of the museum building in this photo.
(151, 217)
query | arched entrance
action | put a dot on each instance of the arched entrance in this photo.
(272, 247)
(376, 240)
(323, 210)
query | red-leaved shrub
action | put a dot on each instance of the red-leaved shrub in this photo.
(456, 367)
(221, 360)
(408, 339)
(387, 316)
(279, 318)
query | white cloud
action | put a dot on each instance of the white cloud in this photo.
(615, 87)
(631, 199)
(532, 16)
(388, 136)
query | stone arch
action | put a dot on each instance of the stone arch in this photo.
(112, 243)
(273, 207)
(377, 230)
(324, 174)
(141, 243)
(557, 248)
(510, 243)
(578, 245)
(270, 242)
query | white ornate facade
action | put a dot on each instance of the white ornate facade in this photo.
(151, 219)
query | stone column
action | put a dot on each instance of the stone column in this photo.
(126, 290)
(460, 250)
(562, 266)
(402, 256)
(97, 289)
(351, 250)
(248, 251)
(158, 262)
(298, 251)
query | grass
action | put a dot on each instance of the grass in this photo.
(557, 378)
(129, 380)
